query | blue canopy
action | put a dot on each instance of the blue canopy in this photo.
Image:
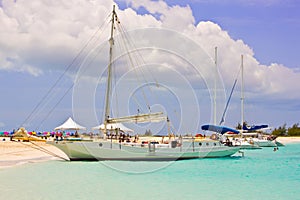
(218, 129)
(255, 127)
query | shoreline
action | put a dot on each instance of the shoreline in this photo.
(288, 140)
(13, 153)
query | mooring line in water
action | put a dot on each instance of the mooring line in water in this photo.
(48, 152)
(40, 148)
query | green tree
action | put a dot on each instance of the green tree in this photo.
(294, 130)
(280, 131)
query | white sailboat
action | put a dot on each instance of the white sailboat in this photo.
(116, 149)
(256, 140)
(228, 136)
(234, 136)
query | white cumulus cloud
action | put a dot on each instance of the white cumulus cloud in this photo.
(40, 35)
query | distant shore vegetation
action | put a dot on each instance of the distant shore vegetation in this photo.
(284, 131)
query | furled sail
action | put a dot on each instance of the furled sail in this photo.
(218, 129)
(254, 127)
(140, 118)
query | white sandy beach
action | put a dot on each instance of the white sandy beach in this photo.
(287, 140)
(15, 153)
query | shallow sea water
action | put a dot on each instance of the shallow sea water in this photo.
(261, 174)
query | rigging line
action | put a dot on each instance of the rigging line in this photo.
(72, 85)
(140, 107)
(40, 148)
(53, 108)
(129, 39)
(127, 62)
(133, 66)
(139, 53)
(121, 45)
(227, 103)
(174, 130)
(43, 107)
(91, 39)
(141, 63)
(37, 147)
(62, 75)
(229, 98)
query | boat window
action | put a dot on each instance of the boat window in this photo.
(200, 144)
(207, 144)
(215, 144)
(100, 144)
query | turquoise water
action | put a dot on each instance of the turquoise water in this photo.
(261, 174)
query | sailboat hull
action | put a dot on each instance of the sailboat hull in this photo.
(265, 143)
(105, 150)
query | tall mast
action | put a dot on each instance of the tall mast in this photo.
(215, 86)
(242, 91)
(169, 126)
(108, 86)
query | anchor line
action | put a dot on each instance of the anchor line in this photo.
(42, 149)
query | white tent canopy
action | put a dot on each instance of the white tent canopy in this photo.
(113, 127)
(70, 124)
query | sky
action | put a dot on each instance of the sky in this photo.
(39, 42)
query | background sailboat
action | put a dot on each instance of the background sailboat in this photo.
(258, 140)
(218, 128)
